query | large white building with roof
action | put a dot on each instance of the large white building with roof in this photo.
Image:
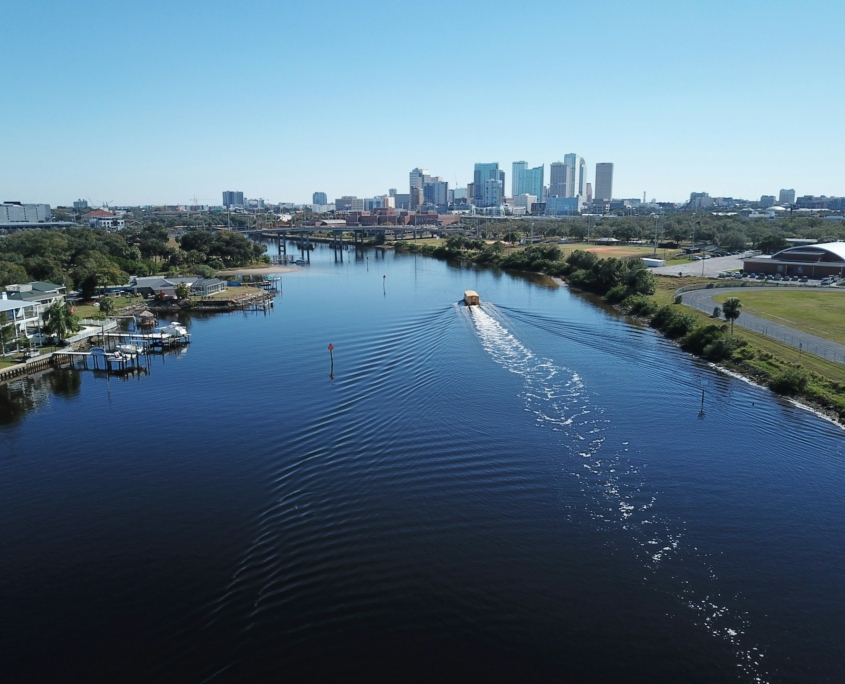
(813, 261)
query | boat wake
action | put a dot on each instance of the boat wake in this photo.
(618, 497)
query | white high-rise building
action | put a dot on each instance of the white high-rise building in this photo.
(518, 168)
(493, 193)
(576, 179)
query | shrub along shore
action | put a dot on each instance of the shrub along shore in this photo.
(633, 289)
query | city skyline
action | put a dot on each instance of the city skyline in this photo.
(151, 120)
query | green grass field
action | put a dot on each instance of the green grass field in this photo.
(818, 313)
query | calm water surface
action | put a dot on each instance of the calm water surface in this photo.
(521, 491)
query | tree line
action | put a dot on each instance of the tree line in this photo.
(733, 233)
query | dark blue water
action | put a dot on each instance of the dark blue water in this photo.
(524, 491)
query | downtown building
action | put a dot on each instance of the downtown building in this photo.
(525, 201)
(17, 213)
(436, 193)
(525, 181)
(604, 182)
(349, 203)
(569, 177)
(576, 175)
(564, 206)
(417, 180)
(481, 192)
(233, 199)
(558, 179)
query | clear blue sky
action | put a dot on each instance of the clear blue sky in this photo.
(157, 102)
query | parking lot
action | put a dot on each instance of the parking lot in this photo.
(705, 267)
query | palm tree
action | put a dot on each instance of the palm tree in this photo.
(731, 310)
(106, 306)
(59, 320)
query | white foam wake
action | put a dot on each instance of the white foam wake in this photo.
(558, 399)
(555, 395)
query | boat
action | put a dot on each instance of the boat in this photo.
(175, 330)
(130, 348)
(471, 298)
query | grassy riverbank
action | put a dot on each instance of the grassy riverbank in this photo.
(820, 313)
(813, 379)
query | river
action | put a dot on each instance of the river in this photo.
(526, 490)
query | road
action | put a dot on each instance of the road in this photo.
(703, 300)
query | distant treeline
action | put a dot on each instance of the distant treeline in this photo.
(729, 232)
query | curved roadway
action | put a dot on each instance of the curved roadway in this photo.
(703, 300)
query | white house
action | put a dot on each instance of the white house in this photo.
(26, 316)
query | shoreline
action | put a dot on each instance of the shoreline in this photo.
(258, 270)
(799, 402)
(752, 377)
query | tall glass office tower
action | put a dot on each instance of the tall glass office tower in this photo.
(530, 182)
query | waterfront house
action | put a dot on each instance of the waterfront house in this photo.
(25, 303)
(37, 292)
(150, 286)
(26, 316)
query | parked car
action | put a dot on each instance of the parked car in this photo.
(803, 279)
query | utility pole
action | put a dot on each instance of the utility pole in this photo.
(655, 236)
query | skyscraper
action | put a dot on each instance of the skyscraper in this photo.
(319, 198)
(418, 179)
(482, 173)
(493, 193)
(516, 172)
(233, 198)
(558, 179)
(582, 177)
(786, 197)
(576, 176)
(604, 182)
(436, 192)
(527, 181)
